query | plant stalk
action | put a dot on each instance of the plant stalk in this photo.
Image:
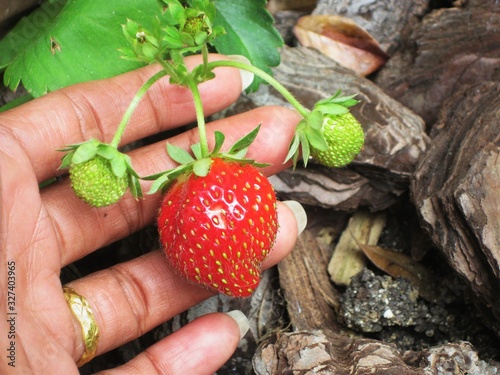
(266, 77)
(204, 53)
(133, 105)
(168, 68)
(200, 117)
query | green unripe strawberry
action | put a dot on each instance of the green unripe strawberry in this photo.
(345, 138)
(95, 182)
(197, 24)
(99, 173)
(329, 133)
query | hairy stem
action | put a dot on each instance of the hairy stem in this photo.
(204, 53)
(133, 105)
(266, 77)
(200, 117)
(168, 68)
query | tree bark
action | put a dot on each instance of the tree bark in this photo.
(456, 188)
(450, 48)
(395, 136)
(11, 8)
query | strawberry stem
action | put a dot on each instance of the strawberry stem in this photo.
(204, 53)
(266, 77)
(200, 117)
(133, 105)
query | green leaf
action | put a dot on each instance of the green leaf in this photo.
(26, 30)
(134, 186)
(316, 139)
(106, 151)
(200, 38)
(331, 109)
(176, 12)
(196, 149)
(65, 42)
(159, 183)
(315, 119)
(346, 101)
(293, 148)
(200, 74)
(85, 151)
(178, 154)
(66, 160)
(306, 150)
(249, 32)
(240, 155)
(244, 142)
(164, 179)
(219, 141)
(71, 41)
(118, 165)
(130, 169)
(173, 38)
(202, 167)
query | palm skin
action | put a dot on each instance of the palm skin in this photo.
(41, 231)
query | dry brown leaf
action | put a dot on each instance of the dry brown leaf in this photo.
(342, 40)
(400, 265)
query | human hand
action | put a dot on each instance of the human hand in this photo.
(44, 230)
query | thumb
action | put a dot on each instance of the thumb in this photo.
(201, 347)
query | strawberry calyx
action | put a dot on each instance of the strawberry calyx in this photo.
(189, 26)
(309, 134)
(181, 29)
(200, 164)
(109, 164)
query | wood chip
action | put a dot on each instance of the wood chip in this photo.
(348, 259)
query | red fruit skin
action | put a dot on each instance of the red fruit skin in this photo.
(218, 229)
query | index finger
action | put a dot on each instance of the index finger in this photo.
(93, 110)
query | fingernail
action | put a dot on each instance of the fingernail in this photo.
(241, 320)
(299, 213)
(246, 76)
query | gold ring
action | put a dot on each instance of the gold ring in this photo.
(83, 313)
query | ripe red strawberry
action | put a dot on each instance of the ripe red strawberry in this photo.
(218, 229)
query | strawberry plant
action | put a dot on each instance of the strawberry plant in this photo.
(217, 220)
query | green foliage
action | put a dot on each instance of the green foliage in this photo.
(249, 32)
(184, 30)
(28, 30)
(69, 41)
(77, 43)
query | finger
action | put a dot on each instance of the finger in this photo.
(91, 228)
(93, 110)
(30, 257)
(131, 298)
(201, 347)
(292, 221)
